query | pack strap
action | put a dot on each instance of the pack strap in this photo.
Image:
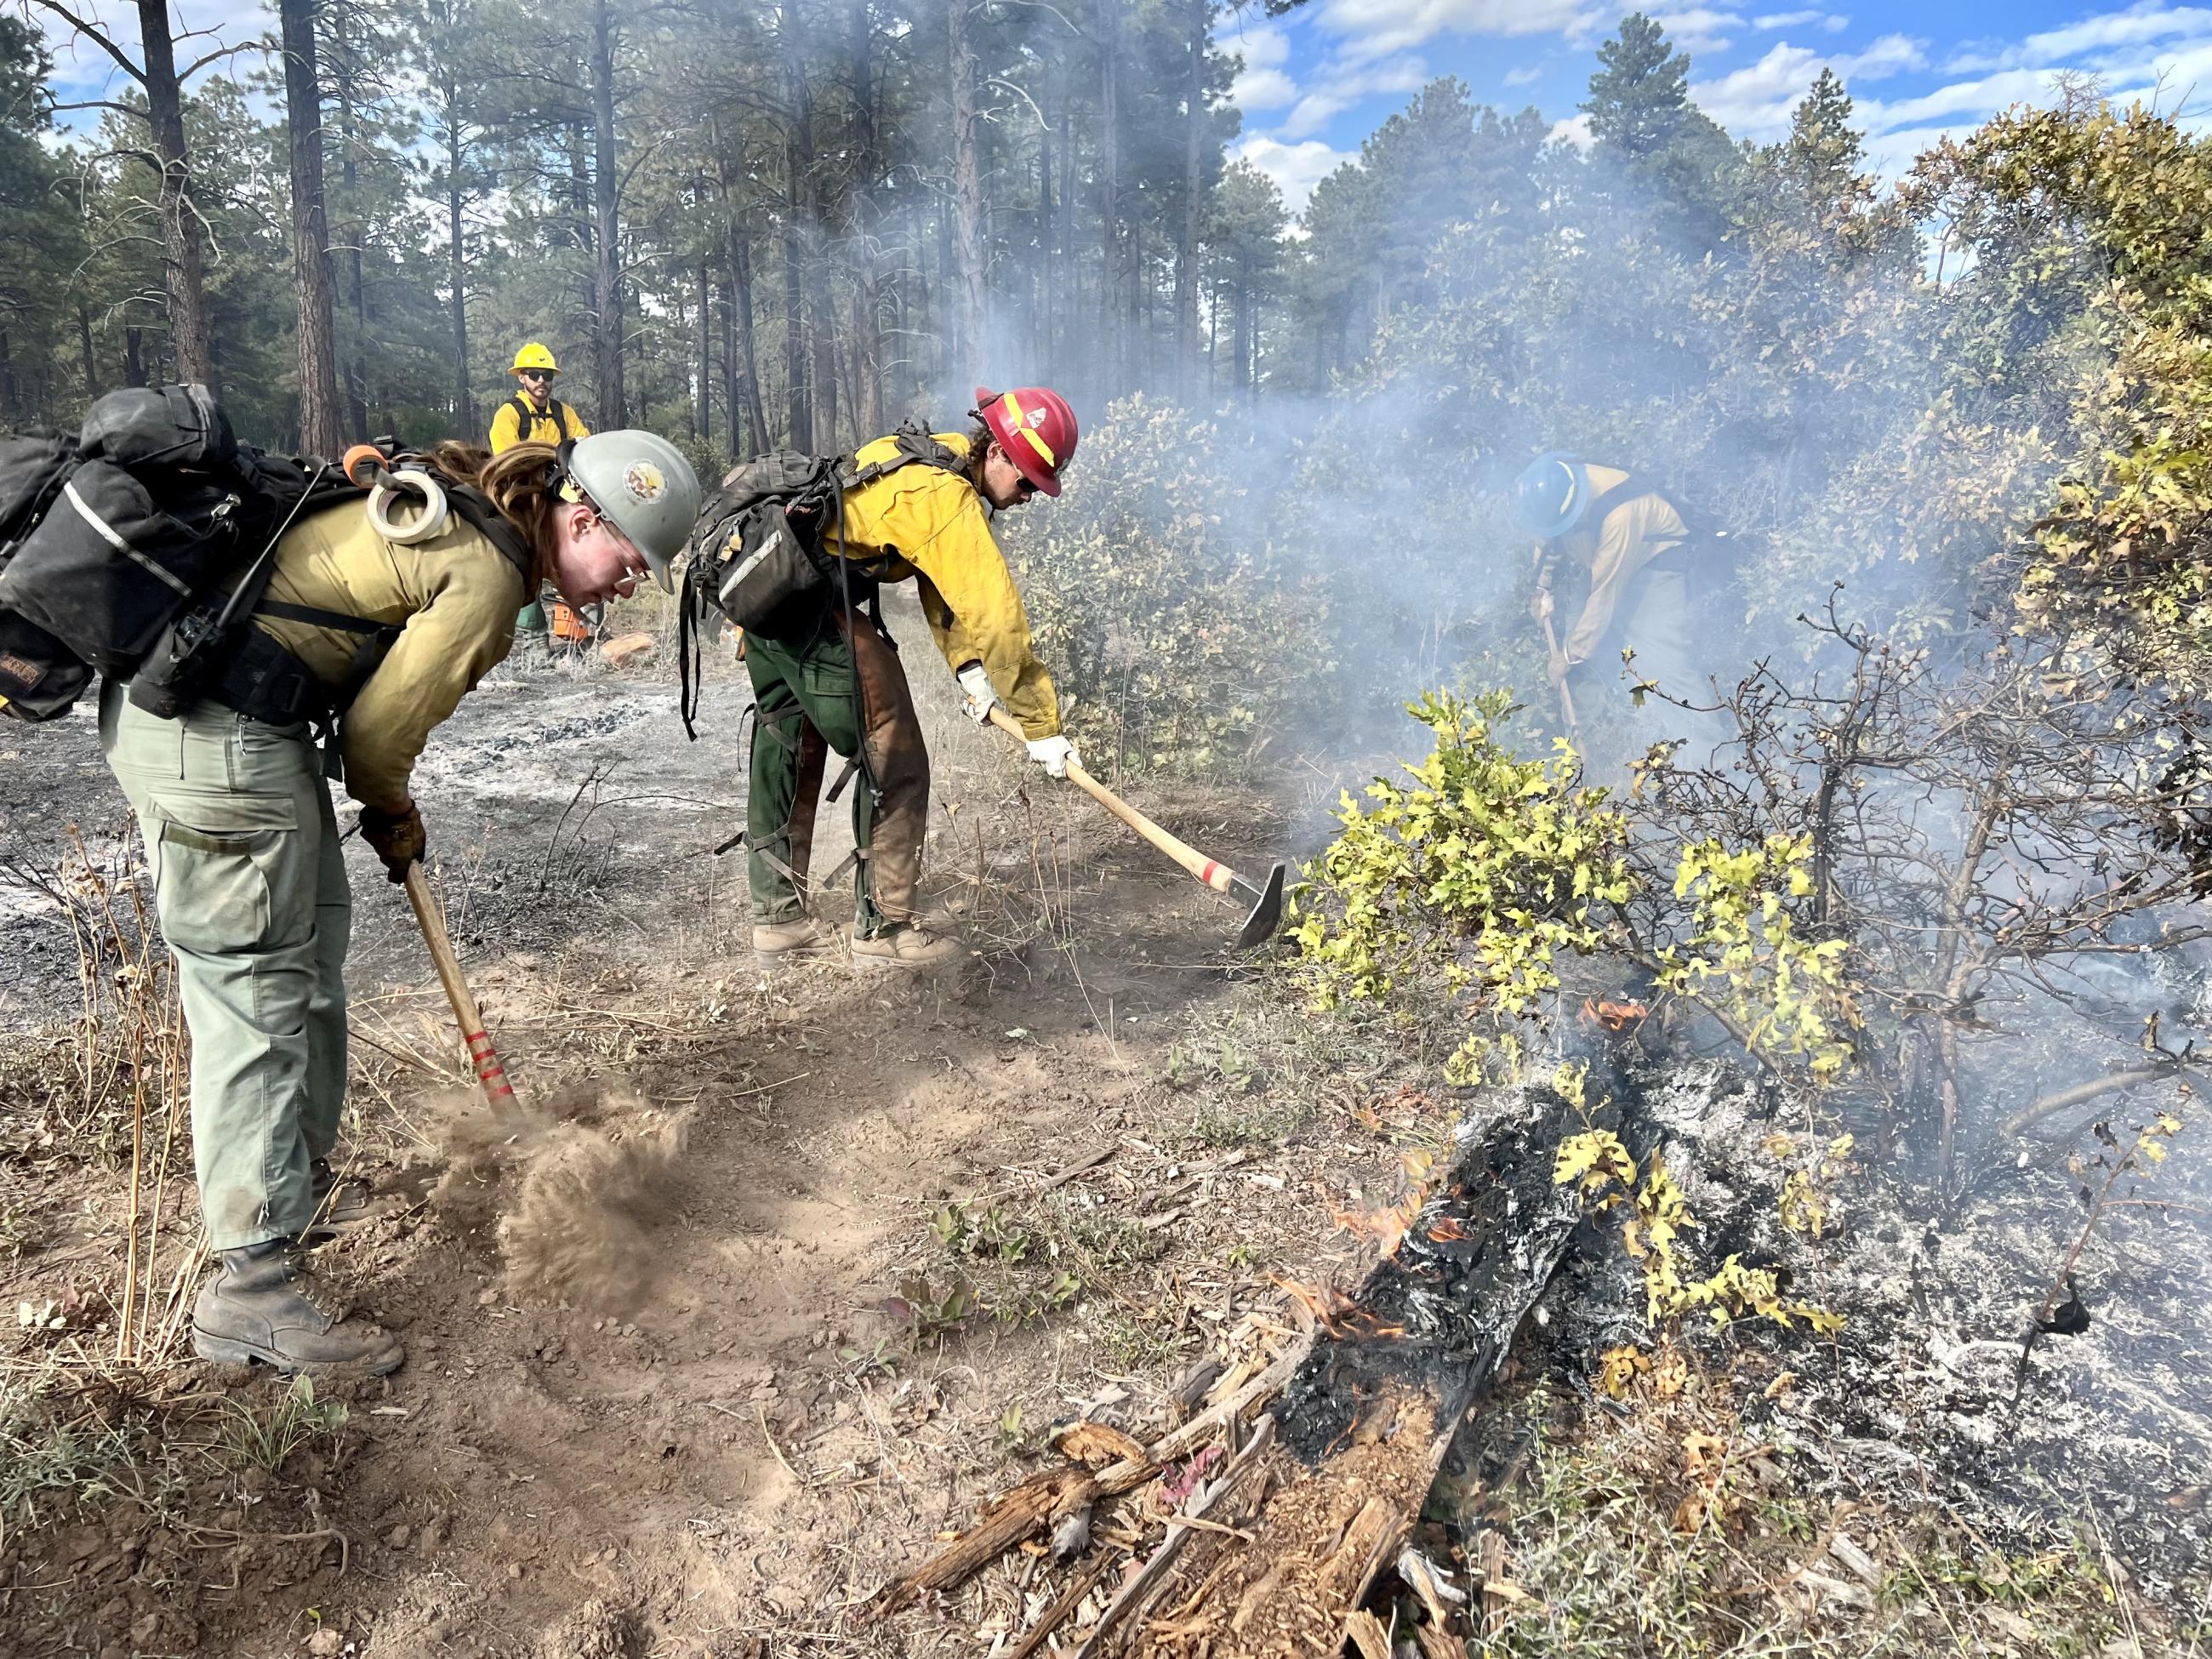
(317, 618)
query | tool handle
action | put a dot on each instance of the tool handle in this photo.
(1215, 875)
(491, 1076)
(364, 464)
(1566, 697)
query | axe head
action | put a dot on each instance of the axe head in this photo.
(1266, 908)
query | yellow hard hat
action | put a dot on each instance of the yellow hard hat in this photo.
(535, 356)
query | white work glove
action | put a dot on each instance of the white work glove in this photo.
(981, 699)
(1054, 754)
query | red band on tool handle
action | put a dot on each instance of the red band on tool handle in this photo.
(1206, 875)
(489, 1071)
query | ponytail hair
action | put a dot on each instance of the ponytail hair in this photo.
(524, 483)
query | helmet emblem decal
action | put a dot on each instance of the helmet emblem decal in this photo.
(644, 481)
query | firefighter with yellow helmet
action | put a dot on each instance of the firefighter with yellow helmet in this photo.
(534, 415)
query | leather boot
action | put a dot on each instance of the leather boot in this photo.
(905, 946)
(257, 1307)
(341, 1206)
(778, 945)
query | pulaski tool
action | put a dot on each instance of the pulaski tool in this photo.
(491, 1076)
(1266, 898)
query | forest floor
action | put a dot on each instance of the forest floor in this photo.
(765, 1287)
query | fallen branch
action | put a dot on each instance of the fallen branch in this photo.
(1068, 1600)
(1138, 1596)
(1027, 1509)
(2051, 1105)
(1045, 1497)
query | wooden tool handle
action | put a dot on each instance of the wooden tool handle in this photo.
(1566, 697)
(1218, 876)
(491, 1076)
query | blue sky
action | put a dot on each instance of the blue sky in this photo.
(1317, 83)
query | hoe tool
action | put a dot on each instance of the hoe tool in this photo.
(491, 1076)
(1266, 898)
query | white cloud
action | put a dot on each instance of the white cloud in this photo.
(1295, 168)
(1575, 129)
(1834, 22)
(1376, 29)
(1966, 98)
(1338, 88)
(1700, 29)
(1261, 45)
(1755, 102)
(1265, 81)
(1262, 89)
(2138, 25)
(1527, 75)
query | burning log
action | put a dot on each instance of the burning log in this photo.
(1277, 1554)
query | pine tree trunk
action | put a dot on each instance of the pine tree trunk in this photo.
(799, 231)
(84, 344)
(800, 415)
(866, 255)
(1242, 381)
(319, 430)
(1111, 336)
(1047, 313)
(606, 280)
(969, 300)
(184, 275)
(703, 423)
(134, 364)
(1187, 245)
(354, 354)
(732, 398)
(465, 414)
(741, 297)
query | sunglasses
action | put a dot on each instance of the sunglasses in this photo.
(1025, 489)
(534, 373)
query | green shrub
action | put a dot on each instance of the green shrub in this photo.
(1474, 877)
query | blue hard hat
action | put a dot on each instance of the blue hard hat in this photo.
(1552, 494)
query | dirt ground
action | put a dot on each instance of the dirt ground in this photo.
(767, 1287)
(741, 1351)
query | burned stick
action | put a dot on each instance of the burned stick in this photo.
(1150, 1582)
(1066, 1603)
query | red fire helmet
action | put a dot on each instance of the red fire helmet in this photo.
(1036, 428)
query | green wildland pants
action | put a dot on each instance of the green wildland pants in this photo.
(844, 689)
(249, 886)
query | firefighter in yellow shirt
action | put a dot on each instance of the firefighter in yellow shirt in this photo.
(923, 515)
(534, 415)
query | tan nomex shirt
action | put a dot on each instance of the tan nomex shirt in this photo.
(456, 595)
(924, 522)
(1631, 536)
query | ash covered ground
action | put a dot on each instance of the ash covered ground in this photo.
(1921, 1399)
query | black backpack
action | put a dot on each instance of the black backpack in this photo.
(756, 555)
(121, 554)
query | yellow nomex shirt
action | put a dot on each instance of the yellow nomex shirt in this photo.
(518, 421)
(924, 522)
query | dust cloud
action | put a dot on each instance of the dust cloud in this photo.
(571, 1188)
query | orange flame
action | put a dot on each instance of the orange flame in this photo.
(1335, 1312)
(1614, 1016)
(1447, 1231)
(1388, 1225)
